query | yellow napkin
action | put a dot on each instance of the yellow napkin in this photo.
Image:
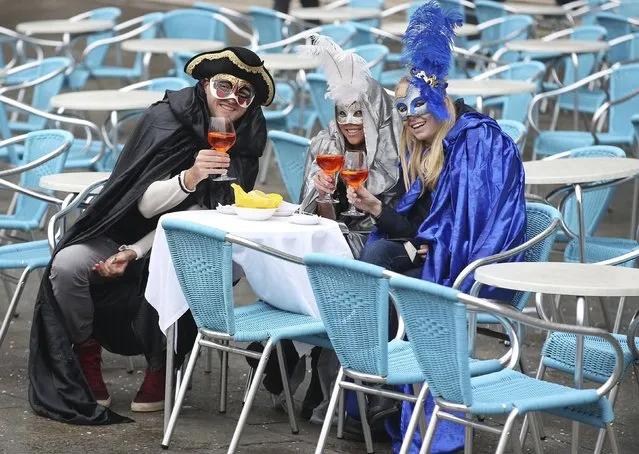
(255, 198)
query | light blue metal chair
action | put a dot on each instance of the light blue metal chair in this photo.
(202, 261)
(49, 146)
(190, 24)
(85, 152)
(516, 130)
(558, 352)
(273, 26)
(44, 154)
(290, 152)
(595, 202)
(325, 108)
(179, 60)
(44, 79)
(435, 318)
(616, 26)
(91, 67)
(622, 104)
(375, 55)
(514, 107)
(77, 79)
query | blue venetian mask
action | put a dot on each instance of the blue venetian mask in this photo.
(411, 104)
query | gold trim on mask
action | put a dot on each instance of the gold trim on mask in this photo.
(239, 63)
(430, 80)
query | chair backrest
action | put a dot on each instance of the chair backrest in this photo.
(588, 63)
(616, 25)
(147, 34)
(190, 24)
(324, 107)
(269, 25)
(375, 55)
(276, 114)
(516, 24)
(363, 34)
(628, 9)
(290, 151)
(515, 107)
(516, 130)
(635, 124)
(221, 33)
(203, 265)
(436, 325)
(166, 83)
(453, 5)
(38, 144)
(623, 82)
(595, 202)
(486, 10)
(371, 4)
(539, 217)
(179, 60)
(43, 92)
(342, 34)
(352, 298)
(96, 58)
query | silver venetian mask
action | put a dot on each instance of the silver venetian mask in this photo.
(411, 104)
(349, 114)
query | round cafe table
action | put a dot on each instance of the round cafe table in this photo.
(64, 26)
(398, 29)
(112, 101)
(167, 46)
(341, 14)
(488, 88)
(571, 47)
(72, 182)
(536, 9)
(288, 62)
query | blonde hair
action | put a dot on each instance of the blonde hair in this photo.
(423, 164)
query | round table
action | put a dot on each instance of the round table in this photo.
(561, 278)
(168, 46)
(536, 9)
(487, 88)
(398, 28)
(63, 26)
(342, 14)
(72, 182)
(288, 62)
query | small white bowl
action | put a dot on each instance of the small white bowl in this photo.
(225, 209)
(286, 209)
(305, 219)
(254, 214)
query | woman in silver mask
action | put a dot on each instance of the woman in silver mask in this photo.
(365, 119)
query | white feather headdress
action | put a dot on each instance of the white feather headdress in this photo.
(347, 73)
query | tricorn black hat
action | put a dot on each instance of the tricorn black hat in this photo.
(239, 62)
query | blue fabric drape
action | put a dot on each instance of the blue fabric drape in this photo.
(477, 209)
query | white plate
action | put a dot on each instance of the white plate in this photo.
(286, 209)
(305, 219)
(254, 214)
(225, 209)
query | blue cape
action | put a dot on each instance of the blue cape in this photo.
(478, 209)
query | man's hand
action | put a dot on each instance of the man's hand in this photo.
(422, 251)
(325, 184)
(364, 200)
(207, 162)
(115, 265)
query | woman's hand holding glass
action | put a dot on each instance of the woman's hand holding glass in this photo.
(364, 200)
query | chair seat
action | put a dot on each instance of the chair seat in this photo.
(116, 72)
(34, 254)
(599, 357)
(9, 221)
(600, 248)
(609, 138)
(589, 101)
(261, 321)
(549, 143)
(501, 392)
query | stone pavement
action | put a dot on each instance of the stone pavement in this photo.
(201, 429)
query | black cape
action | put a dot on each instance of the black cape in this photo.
(164, 142)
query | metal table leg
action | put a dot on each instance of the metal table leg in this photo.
(168, 385)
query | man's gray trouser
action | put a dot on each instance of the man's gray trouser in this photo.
(71, 276)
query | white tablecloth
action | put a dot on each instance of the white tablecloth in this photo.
(283, 284)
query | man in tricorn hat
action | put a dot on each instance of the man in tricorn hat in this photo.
(91, 295)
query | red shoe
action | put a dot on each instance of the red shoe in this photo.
(90, 357)
(150, 397)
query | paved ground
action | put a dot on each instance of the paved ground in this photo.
(201, 428)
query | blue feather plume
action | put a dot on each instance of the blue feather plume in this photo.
(428, 44)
